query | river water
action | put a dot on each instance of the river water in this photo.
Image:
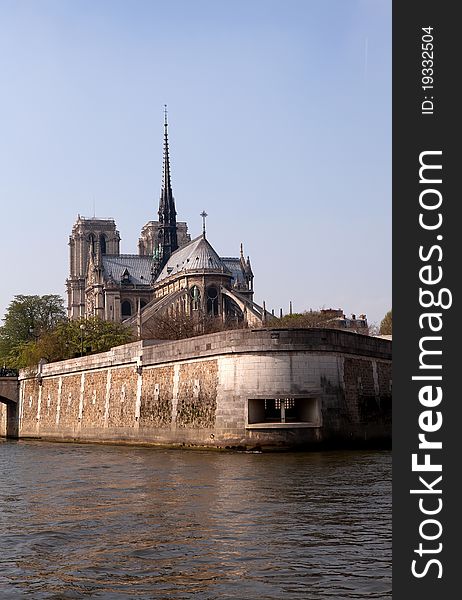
(113, 522)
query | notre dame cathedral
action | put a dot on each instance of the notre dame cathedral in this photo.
(171, 274)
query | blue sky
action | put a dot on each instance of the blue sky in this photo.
(280, 128)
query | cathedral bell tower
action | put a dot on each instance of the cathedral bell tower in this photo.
(89, 236)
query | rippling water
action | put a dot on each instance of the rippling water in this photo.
(92, 521)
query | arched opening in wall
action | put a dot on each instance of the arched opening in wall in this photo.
(126, 308)
(195, 294)
(9, 414)
(212, 301)
(143, 304)
(102, 243)
(92, 243)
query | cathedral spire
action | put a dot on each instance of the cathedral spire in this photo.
(166, 192)
(168, 240)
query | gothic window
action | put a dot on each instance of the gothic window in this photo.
(126, 309)
(195, 298)
(102, 243)
(212, 301)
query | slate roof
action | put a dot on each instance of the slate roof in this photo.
(138, 267)
(198, 255)
(234, 265)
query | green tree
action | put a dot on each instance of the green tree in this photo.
(27, 318)
(70, 339)
(386, 324)
(98, 335)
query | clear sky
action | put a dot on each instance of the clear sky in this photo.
(280, 128)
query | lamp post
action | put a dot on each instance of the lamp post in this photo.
(82, 330)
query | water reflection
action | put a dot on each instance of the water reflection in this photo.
(83, 521)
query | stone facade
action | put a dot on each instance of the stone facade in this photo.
(241, 388)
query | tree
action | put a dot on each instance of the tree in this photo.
(307, 319)
(70, 339)
(322, 318)
(374, 329)
(165, 326)
(386, 324)
(97, 335)
(27, 318)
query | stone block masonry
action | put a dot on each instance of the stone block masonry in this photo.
(240, 388)
(157, 393)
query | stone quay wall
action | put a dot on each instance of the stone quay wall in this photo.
(220, 390)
